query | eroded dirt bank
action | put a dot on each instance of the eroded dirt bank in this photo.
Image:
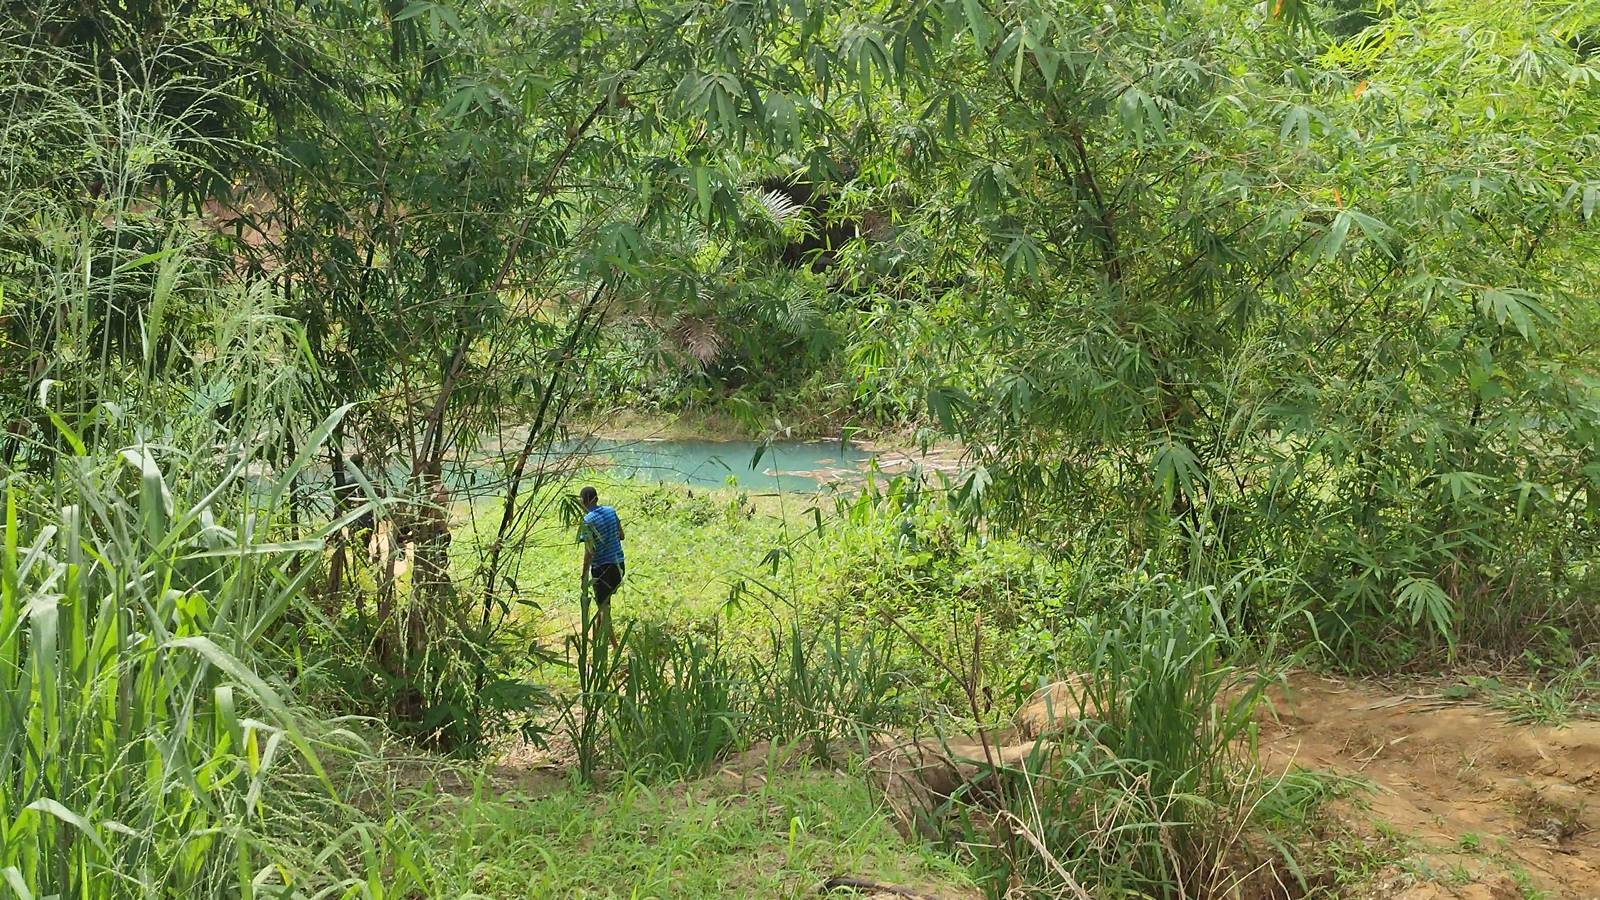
(1485, 810)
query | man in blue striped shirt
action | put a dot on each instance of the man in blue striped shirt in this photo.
(601, 534)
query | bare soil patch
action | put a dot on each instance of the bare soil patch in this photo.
(1495, 811)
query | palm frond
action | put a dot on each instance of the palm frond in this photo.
(782, 209)
(795, 310)
(698, 338)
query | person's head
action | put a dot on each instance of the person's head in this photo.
(589, 497)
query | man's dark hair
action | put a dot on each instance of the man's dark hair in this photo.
(589, 495)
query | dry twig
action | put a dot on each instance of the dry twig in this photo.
(1038, 845)
(846, 882)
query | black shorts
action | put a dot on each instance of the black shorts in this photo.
(606, 578)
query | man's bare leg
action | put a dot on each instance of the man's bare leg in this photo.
(602, 625)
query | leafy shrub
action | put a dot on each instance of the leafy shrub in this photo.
(677, 710)
(822, 685)
(899, 553)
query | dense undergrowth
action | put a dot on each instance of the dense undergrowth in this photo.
(1153, 792)
(296, 302)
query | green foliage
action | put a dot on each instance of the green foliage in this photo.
(1148, 783)
(818, 685)
(455, 695)
(898, 553)
(1288, 304)
(1164, 694)
(162, 527)
(1309, 302)
(1159, 295)
(676, 714)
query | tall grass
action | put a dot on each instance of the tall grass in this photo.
(1145, 786)
(677, 712)
(668, 703)
(823, 684)
(154, 537)
(136, 743)
(587, 713)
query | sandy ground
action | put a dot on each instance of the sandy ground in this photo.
(1493, 811)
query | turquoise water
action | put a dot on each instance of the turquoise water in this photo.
(793, 466)
(801, 467)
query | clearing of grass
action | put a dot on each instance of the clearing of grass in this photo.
(711, 838)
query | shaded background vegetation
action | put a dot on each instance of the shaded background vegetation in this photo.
(1287, 311)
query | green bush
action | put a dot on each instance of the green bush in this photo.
(677, 712)
(1137, 794)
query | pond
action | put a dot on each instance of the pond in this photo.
(798, 467)
(790, 466)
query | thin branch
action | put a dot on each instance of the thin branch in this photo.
(436, 416)
(846, 882)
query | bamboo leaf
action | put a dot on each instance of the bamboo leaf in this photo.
(13, 879)
(978, 23)
(1516, 306)
(1426, 601)
(1332, 240)
(311, 446)
(1296, 125)
(414, 9)
(146, 260)
(1373, 230)
(308, 545)
(702, 190)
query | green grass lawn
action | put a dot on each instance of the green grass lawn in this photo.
(709, 839)
(685, 549)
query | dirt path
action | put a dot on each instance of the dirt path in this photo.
(1493, 811)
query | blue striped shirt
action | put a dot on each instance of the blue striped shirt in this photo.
(604, 529)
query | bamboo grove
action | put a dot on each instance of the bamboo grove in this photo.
(1294, 297)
